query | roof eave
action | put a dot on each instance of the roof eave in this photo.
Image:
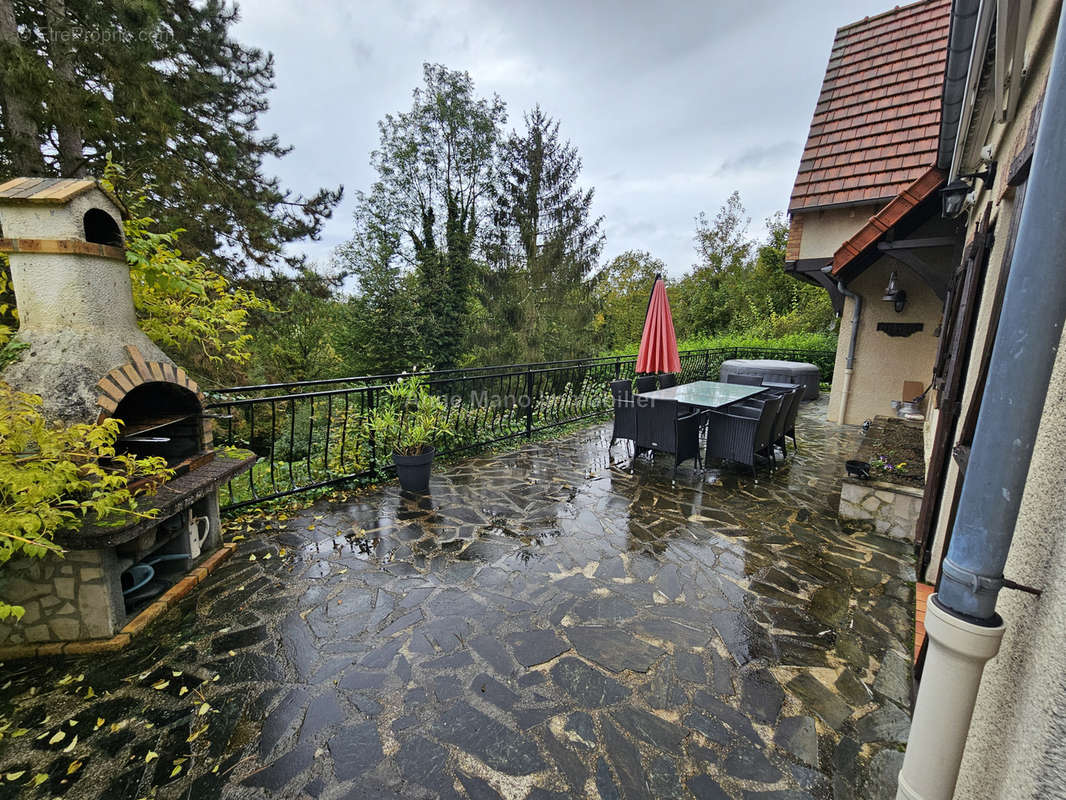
(884, 220)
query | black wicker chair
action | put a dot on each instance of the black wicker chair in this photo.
(667, 379)
(625, 412)
(786, 418)
(742, 433)
(659, 428)
(790, 398)
(745, 380)
(645, 384)
(789, 429)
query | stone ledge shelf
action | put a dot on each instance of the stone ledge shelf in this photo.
(172, 498)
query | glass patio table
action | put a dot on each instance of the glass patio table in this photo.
(704, 394)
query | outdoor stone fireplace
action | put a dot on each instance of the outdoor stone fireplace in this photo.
(88, 361)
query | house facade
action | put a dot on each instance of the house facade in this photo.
(949, 234)
(865, 196)
(1015, 745)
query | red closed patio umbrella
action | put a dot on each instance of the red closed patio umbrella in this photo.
(658, 343)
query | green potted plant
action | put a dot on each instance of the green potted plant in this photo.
(411, 421)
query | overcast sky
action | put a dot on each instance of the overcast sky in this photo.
(672, 105)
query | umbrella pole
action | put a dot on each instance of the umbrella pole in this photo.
(651, 294)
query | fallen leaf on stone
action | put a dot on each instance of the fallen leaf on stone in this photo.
(74, 767)
(57, 737)
(70, 746)
(151, 754)
(14, 776)
(196, 734)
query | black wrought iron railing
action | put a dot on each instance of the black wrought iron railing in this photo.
(311, 434)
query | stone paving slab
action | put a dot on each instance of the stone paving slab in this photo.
(550, 622)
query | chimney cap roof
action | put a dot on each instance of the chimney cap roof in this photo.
(53, 191)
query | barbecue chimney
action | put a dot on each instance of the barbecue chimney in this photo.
(68, 266)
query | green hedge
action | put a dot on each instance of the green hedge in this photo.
(796, 341)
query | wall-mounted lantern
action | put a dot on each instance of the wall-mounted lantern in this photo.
(895, 295)
(955, 195)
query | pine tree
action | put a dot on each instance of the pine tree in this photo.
(550, 245)
(163, 87)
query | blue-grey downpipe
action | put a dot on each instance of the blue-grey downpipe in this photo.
(963, 628)
(849, 364)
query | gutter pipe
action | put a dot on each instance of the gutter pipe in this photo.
(962, 625)
(856, 314)
(964, 16)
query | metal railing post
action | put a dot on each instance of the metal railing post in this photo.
(370, 435)
(529, 404)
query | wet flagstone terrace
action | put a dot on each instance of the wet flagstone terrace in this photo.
(547, 623)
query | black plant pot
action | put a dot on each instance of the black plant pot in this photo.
(413, 471)
(858, 469)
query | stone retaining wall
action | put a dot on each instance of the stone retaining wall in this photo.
(65, 598)
(893, 509)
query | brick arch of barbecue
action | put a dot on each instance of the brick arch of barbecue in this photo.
(138, 371)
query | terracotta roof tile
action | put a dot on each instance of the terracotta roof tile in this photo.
(877, 121)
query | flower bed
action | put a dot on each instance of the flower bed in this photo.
(892, 498)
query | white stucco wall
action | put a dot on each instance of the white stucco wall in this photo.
(1017, 744)
(824, 231)
(883, 362)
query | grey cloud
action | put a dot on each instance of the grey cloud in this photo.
(672, 105)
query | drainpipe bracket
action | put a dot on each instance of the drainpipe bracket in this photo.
(968, 593)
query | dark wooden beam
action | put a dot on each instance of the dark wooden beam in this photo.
(913, 244)
(933, 278)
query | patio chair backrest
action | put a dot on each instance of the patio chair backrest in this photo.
(667, 379)
(745, 380)
(645, 384)
(767, 417)
(655, 425)
(789, 399)
(793, 410)
(621, 390)
(625, 419)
